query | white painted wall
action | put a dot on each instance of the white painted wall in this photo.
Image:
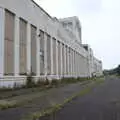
(2, 16)
(34, 15)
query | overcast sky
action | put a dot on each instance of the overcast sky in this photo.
(100, 21)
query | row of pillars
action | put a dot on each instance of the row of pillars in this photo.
(67, 62)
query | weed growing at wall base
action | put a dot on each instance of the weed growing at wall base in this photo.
(52, 110)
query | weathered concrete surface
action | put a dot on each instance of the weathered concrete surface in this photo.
(101, 104)
(44, 100)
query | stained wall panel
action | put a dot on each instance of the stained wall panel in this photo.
(63, 60)
(23, 47)
(66, 60)
(42, 53)
(33, 49)
(59, 58)
(9, 43)
(54, 56)
(48, 55)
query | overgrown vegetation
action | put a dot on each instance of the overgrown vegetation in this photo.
(40, 85)
(115, 71)
(52, 110)
(6, 105)
(54, 83)
(29, 81)
(45, 83)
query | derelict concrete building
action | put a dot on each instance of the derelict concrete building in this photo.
(31, 41)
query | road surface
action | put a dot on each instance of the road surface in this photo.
(103, 103)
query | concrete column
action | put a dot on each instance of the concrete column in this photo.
(71, 61)
(56, 57)
(45, 54)
(16, 50)
(2, 35)
(38, 51)
(79, 64)
(51, 45)
(68, 61)
(72, 64)
(64, 60)
(76, 63)
(61, 59)
(28, 48)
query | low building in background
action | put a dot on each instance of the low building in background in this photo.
(33, 42)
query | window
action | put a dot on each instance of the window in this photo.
(48, 55)
(9, 43)
(59, 58)
(33, 50)
(41, 52)
(23, 47)
(66, 60)
(54, 56)
(63, 59)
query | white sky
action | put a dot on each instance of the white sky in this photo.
(100, 21)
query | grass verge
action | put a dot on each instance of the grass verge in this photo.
(6, 104)
(55, 108)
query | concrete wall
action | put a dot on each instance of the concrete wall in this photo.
(2, 19)
(73, 26)
(97, 67)
(51, 38)
(32, 13)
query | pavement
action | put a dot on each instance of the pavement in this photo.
(103, 103)
(40, 100)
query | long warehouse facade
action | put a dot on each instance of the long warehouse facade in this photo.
(31, 41)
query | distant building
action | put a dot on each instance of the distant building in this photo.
(31, 41)
(95, 65)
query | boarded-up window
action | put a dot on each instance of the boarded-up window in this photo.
(54, 56)
(41, 52)
(63, 60)
(23, 47)
(74, 62)
(48, 55)
(59, 59)
(33, 50)
(66, 60)
(9, 43)
(69, 61)
(77, 62)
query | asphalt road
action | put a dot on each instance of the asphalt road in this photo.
(103, 103)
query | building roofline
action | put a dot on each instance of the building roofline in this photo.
(42, 9)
